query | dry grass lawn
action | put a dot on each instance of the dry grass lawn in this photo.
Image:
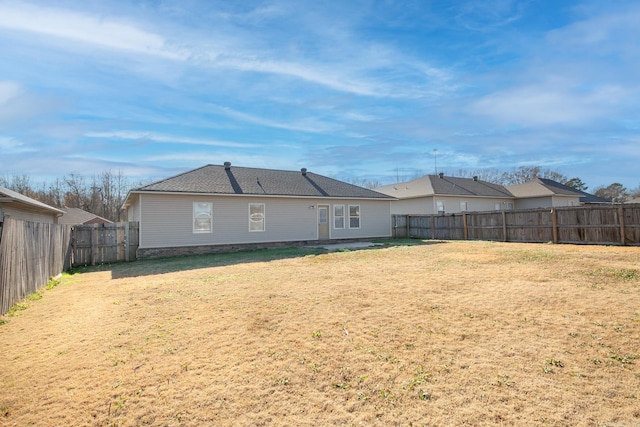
(439, 333)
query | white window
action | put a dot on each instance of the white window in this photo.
(497, 206)
(440, 205)
(509, 206)
(256, 216)
(338, 216)
(463, 206)
(354, 216)
(202, 217)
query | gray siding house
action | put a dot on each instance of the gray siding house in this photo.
(216, 208)
(440, 194)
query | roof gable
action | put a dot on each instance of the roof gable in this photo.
(432, 185)
(215, 179)
(75, 216)
(540, 187)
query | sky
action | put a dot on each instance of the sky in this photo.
(372, 90)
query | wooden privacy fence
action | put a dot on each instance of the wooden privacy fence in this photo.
(605, 224)
(30, 254)
(104, 243)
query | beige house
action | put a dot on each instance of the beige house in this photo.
(213, 206)
(440, 194)
(544, 193)
(25, 208)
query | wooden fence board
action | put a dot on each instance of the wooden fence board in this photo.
(607, 224)
(30, 254)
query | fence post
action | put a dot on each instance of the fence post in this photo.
(408, 226)
(465, 226)
(126, 241)
(94, 244)
(621, 221)
(554, 225)
(433, 226)
(504, 226)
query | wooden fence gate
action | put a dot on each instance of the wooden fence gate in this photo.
(104, 243)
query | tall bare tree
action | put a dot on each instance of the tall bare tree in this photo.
(518, 175)
(101, 194)
(524, 174)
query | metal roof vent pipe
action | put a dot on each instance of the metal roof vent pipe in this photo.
(227, 166)
(441, 175)
(475, 178)
(304, 171)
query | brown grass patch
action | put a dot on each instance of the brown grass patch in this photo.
(452, 333)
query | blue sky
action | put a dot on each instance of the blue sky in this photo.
(350, 89)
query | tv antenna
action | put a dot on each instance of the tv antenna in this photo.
(435, 159)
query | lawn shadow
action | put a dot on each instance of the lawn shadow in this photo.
(193, 262)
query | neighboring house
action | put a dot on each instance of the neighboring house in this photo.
(636, 200)
(440, 194)
(25, 208)
(223, 205)
(77, 216)
(591, 199)
(546, 193)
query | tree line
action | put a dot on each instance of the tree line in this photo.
(615, 192)
(101, 194)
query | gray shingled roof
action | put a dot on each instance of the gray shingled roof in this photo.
(557, 188)
(215, 179)
(431, 185)
(467, 187)
(563, 189)
(547, 187)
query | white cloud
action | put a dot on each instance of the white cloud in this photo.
(18, 105)
(614, 30)
(10, 145)
(308, 125)
(165, 139)
(317, 75)
(354, 66)
(548, 105)
(84, 28)
(485, 16)
(8, 91)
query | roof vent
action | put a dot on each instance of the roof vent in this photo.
(441, 175)
(304, 171)
(227, 166)
(475, 178)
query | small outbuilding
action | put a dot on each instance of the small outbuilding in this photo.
(19, 206)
